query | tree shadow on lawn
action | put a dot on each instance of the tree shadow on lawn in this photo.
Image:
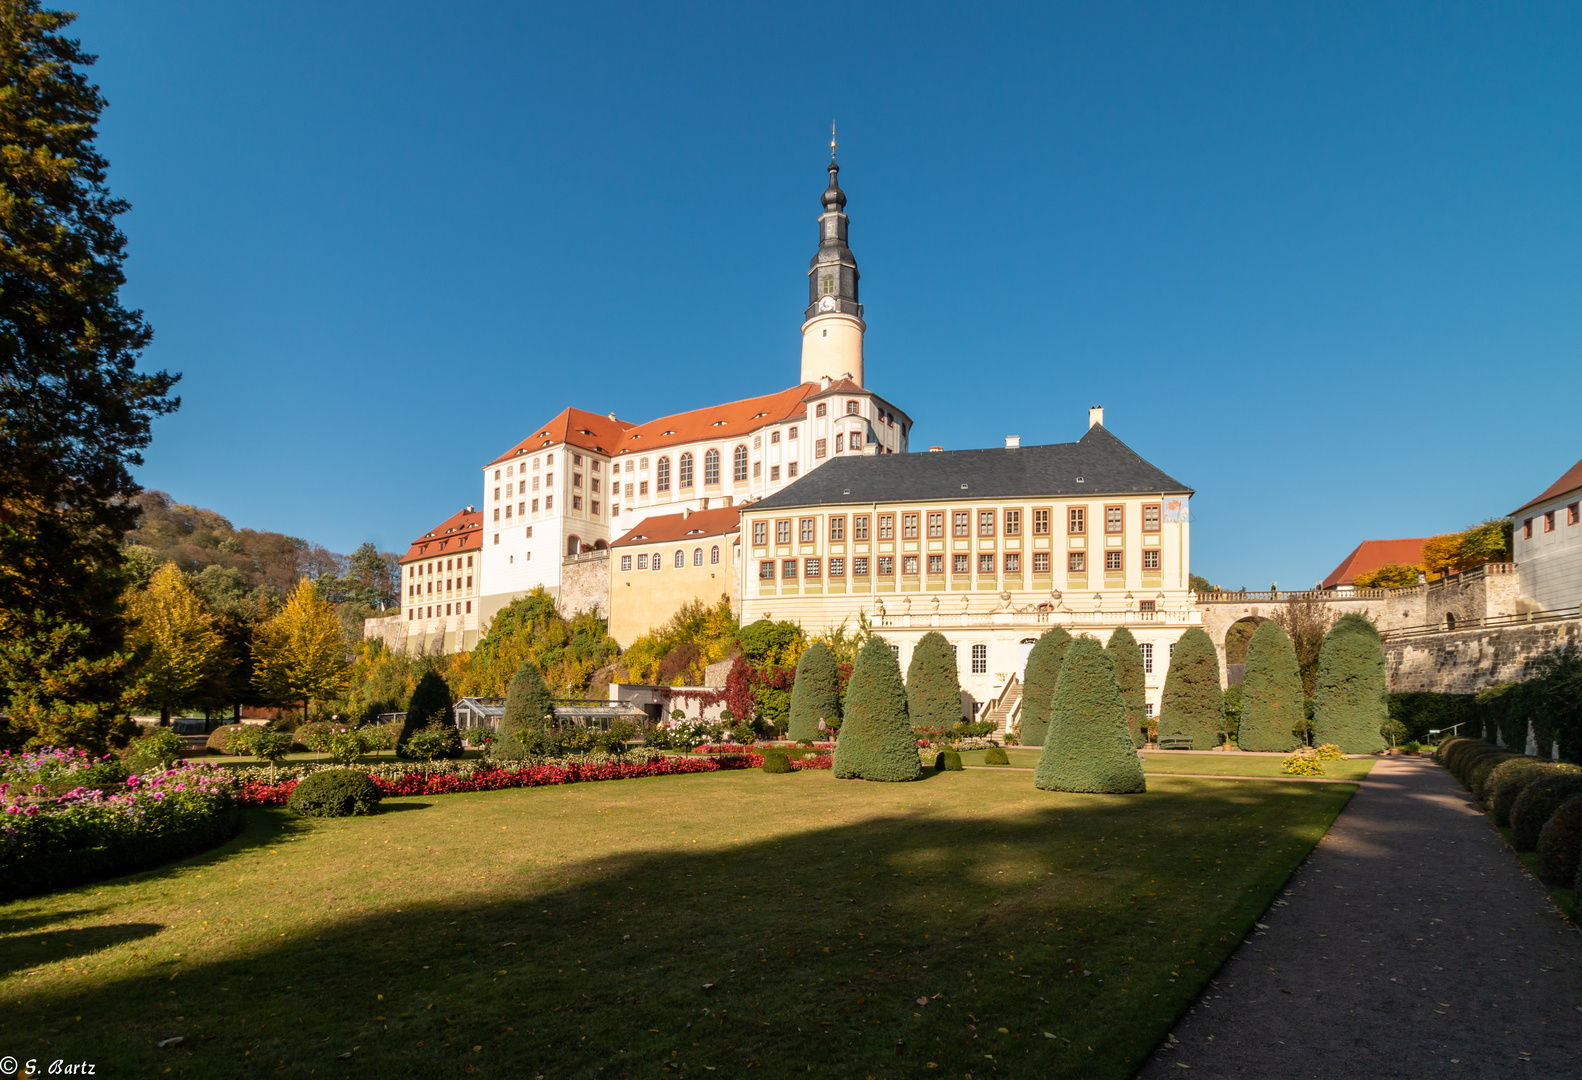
(1060, 940)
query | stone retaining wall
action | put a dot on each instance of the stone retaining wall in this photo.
(1466, 661)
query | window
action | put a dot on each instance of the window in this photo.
(576, 459)
(851, 408)
(535, 506)
(774, 437)
(960, 523)
(1527, 528)
(980, 659)
(1112, 560)
(758, 469)
(859, 566)
(1078, 520)
(1549, 521)
(818, 448)
(782, 532)
(774, 473)
(840, 443)
(1151, 560)
(760, 533)
(886, 526)
(714, 555)
(837, 568)
(549, 480)
(1573, 512)
(1148, 657)
(766, 570)
(661, 475)
(859, 527)
(739, 463)
(986, 563)
(681, 558)
(629, 489)
(658, 562)
(642, 488)
(497, 512)
(792, 433)
(821, 410)
(936, 564)
(1077, 563)
(1146, 607)
(936, 525)
(521, 507)
(788, 568)
(1113, 522)
(596, 465)
(1013, 523)
(1172, 650)
(549, 502)
(643, 464)
(886, 566)
(1040, 522)
(909, 526)
(792, 469)
(576, 480)
(576, 503)
(1040, 562)
(810, 568)
(909, 565)
(758, 442)
(595, 506)
(549, 461)
(711, 467)
(960, 564)
(985, 522)
(642, 562)
(807, 530)
(684, 471)
(1151, 518)
(535, 483)
(595, 485)
(837, 528)
(1013, 563)
(1148, 710)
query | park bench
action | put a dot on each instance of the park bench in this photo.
(1175, 742)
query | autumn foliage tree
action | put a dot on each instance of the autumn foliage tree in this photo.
(175, 642)
(300, 653)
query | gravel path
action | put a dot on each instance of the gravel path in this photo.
(1410, 944)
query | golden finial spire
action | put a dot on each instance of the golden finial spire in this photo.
(832, 140)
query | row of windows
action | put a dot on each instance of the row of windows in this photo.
(679, 559)
(548, 461)
(415, 571)
(1573, 514)
(416, 589)
(417, 612)
(961, 524)
(1076, 563)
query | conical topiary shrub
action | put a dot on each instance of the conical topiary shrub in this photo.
(815, 695)
(876, 741)
(1193, 703)
(933, 693)
(1128, 659)
(430, 704)
(528, 705)
(1349, 706)
(1271, 692)
(1088, 748)
(1038, 684)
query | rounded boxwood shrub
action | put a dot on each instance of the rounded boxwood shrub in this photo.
(1534, 806)
(996, 755)
(776, 763)
(1465, 760)
(220, 738)
(335, 793)
(1478, 774)
(947, 761)
(1560, 843)
(1510, 778)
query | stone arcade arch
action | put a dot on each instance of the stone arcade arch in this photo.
(1237, 635)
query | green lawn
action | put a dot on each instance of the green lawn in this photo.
(1226, 764)
(797, 923)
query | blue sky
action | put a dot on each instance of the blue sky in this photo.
(1319, 261)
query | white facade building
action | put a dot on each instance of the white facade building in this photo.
(1547, 545)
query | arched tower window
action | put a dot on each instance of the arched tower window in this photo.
(714, 554)
(711, 467)
(685, 471)
(739, 464)
(662, 474)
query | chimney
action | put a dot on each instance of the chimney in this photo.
(686, 512)
(870, 450)
(1096, 416)
(823, 383)
(1013, 441)
(935, 449)
(469, 509)
(612, 416)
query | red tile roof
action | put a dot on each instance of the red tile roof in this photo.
(1372, 554)
(462, 531)
(589, 431)
(669, 528)
(1568, 483)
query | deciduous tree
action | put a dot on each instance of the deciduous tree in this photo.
(528, 705)
(175, 640)
(300, 653)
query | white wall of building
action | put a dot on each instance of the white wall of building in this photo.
(1550, 559)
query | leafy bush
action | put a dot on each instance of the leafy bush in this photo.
(346, 746)
(876, 736)
(776, 763)
(996, 755)
(1510, 778)
(381, 736)
(1044, 662)
(1533, 807)
(1478, 775)
(974, 729)
(335, 793)
(157, 750)
(54, 772)
(1303, 762)
(479, 737)
(220, 738)
(1349, 707)
(1560, 844)
(1329, 752)
(434, 741)
(613, 741)
(1472, 759)
(1192, 703)
(1088, 748)
(1272, 697)
(316, 736)
(947, 761)
(744, 733)
(528, 703)
(262, 743)
(815, 692)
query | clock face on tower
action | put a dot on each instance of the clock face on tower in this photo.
(827, 304)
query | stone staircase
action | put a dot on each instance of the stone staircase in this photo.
(1003, 710)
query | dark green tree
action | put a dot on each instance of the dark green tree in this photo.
(1193, 703)
(933, 693)
(75, 412)
(815, 695)
(1038, 684)
(876, 741)
(1349, 702)
(528, 704)
(430, 704)
(1128, 660)
(1088, 748)
(1271, 692)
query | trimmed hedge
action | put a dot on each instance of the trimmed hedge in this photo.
(933, 692)
(1192, 703)
(1044, 661)
(1510, 778)
(876, 741)
(1536, 804)
(430, 704)
(947, 761)
(1088, 748)
(1349, 707)
(776, 763)
(528, 704)
(996, 755)
(1478, 775)
(335, 793)
(1129, 677)
(815, 694)
(1472, 759)
(1560, 843)
(1272, 701)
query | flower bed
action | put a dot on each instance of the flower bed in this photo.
(51, 843)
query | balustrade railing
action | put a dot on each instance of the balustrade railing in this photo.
(1046, 618)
